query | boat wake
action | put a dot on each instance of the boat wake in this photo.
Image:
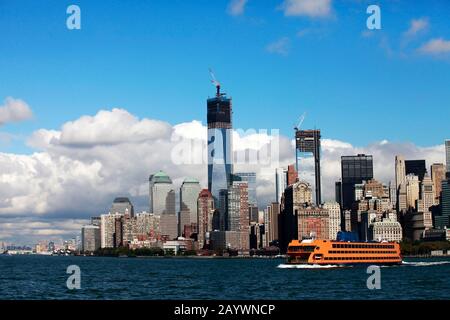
(424, 264)
(308, 266)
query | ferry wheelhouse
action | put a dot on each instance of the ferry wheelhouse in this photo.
(324, 252)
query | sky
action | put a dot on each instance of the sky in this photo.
(88, 114)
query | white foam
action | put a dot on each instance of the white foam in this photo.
(424, 263)
(308, 266)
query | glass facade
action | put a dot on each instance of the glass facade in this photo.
(355, 170)
(416, 167)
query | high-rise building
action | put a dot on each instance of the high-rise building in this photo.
(271, 222)
(437, 175)
(313, 222)
(189, 192)
(111, 230)
(412, 191)
(280, 183)
(443, 220)
(355, 169)
(427, 199)
(334, 223)
(402, 202)
(122, 206)
(90, 238)
(250, 178)
(220, 152)
(292, 175)
(205, 207)
(238, 218)
(400, 171)
(308, 142)
(162, 194)
(447, 157)
(416, 167)
(393, 195)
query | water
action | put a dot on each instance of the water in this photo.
(44, 277)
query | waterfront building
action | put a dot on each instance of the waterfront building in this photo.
(308, 142)
(122, 206)
(205, 207)
(280, 183)
(334, 223)
(238, 217)
(416, 167)
(250, 178)
(313, 222)
(427, 199)
(415, 223)
(184, 220)
(90, 238)
(162, 194)
(354, 170)
(189, 191)
(220, 152)
(443, 220)
(386, 229)
(437, 176)
(412, 191)
(447, 157)
(271, 222)
(111, 230)
(147, 226)
(169, 226)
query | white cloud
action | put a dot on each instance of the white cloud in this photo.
(309, 8)
(436, 47)
(416, 26)
(237, 7)
(71, 178)
(14, 110)
(281, 46)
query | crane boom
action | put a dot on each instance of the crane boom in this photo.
(214, 81)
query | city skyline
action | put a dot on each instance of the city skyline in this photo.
(108, 151)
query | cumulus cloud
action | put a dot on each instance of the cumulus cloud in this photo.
(437, 46)
(236, 7)
(309, 8)
(280, 46)
(14, 110)
(52, 192)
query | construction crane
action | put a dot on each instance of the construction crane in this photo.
(300, 122)
(214, 81)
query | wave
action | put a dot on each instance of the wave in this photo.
(309, 266)
(424, 263)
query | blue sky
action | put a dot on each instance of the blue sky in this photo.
(152, 58)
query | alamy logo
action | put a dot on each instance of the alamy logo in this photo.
(374, 280)
(74, 280)
(374, 20)
(73, 21)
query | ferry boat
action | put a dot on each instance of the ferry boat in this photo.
(327, 252)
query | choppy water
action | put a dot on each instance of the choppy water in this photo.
(44, 277)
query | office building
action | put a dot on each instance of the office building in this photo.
(292, 175)
(220, 152)
(90, 238)
(447, 157)
(443, 220)
(162, 194)
(122, 206)
(250, 178)
(313, 222)
(400, 171)
(416, 167)
(427, 199)
(205, 207)
(238, 217)
(355, 170)
(111, 230)
(189, 191)
(334, 223)
(308, 142)
(388, 230)
(412, 191)
(437, 175)
(280, 183)
(271, 223)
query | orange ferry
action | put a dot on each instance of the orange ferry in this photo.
(323, 252)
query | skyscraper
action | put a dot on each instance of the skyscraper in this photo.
(205, 207)
(437, 175)
(416, 167)
(162, 195)
(400, 171)
(412, 190)
(90, 238)
(308, 142)
(189, 191)
(122, 206)
(280, 183)
(220, 152)
(334, 214)
(427, 199)
(355, 169)
(250, 178)
(447, 157)
(292, 175)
